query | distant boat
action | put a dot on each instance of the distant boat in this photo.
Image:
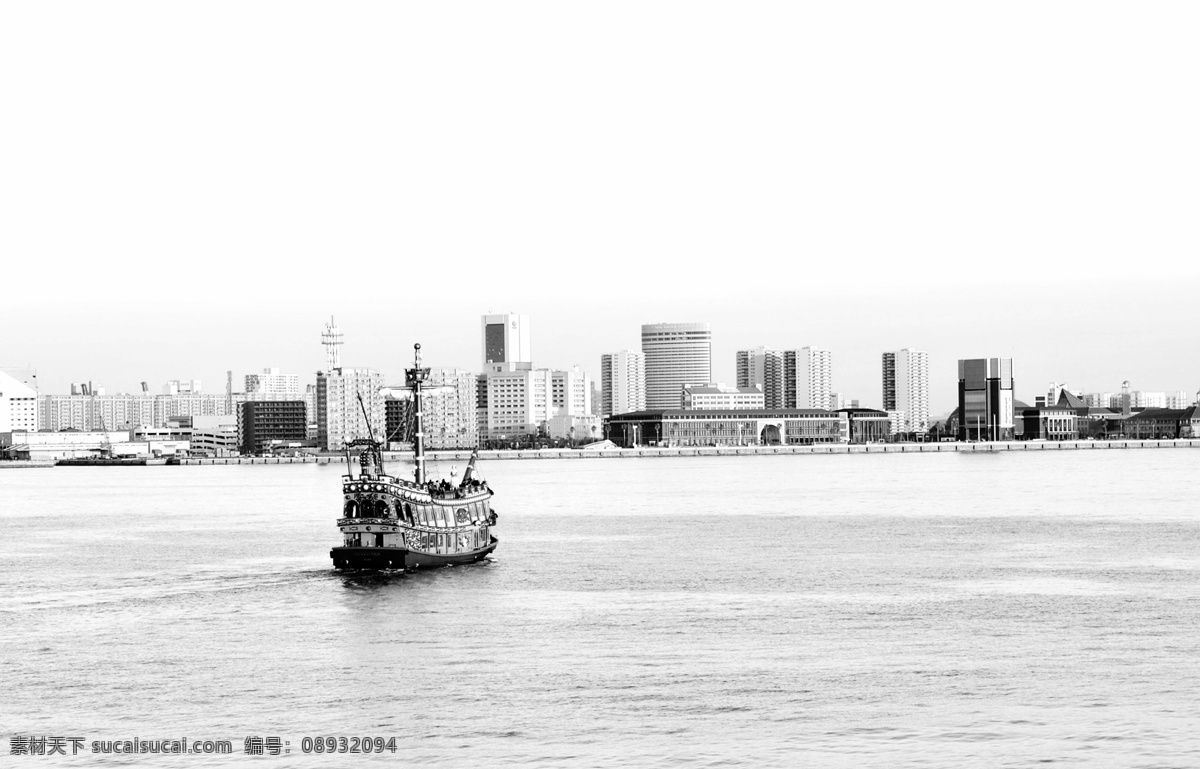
(110, 461)
(394, 523)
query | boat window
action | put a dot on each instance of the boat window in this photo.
(381, 508)
(351, 510)
(407, 511)
(447, 517)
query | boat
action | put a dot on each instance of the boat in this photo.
(392, 523)
(110, 461)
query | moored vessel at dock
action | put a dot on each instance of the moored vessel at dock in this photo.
(389, 522)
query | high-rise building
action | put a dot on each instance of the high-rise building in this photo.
(272, 383)
(339, 416)
(571, 392)
(752, 368)
(264, 423)
(807, 376)
(448, 407)
(676, 354)
(906, 387)
(985, 400)
(516, 403)
(506, 343)
(797, 379)
(622, 382)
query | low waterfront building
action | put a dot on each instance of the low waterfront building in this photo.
(72, 444)
(1162, 423)
(575, 428)
(868, 425)
(721, 396)
(728, 427)
(1050, 423)
(1090, 421)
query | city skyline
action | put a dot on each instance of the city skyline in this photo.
(862, 366)
(857, 180)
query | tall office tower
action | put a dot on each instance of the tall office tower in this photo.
(506, 343)
(906, 387)
(622, 382)
(985, 399)
(677, 354)
(807, 378)
(339, 415)
(752, 368)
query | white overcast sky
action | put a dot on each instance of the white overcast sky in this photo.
(187, 189)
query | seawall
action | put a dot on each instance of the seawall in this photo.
(714, 451)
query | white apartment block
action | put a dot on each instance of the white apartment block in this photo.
(798, 379)
(339, 415)
(622, 382)
(518, 402)
(1179, 399)
(449, 423)
(1147, 400)
(906, 387)
(571, 392)
(677, 354)
(721, 396)
(456, 411)
(19, 406)
(124, 412)
(272, 385)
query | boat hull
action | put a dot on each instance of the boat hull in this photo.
(395, 558)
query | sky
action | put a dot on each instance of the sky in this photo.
(189, 189)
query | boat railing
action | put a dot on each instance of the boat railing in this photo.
(427, 527)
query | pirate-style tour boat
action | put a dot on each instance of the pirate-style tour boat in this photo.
(393, 523)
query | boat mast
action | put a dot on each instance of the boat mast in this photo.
(416, 376)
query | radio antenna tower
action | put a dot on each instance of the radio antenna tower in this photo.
(332, 339)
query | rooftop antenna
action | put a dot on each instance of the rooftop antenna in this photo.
(332, 339)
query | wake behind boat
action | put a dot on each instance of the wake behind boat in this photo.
(393, 523)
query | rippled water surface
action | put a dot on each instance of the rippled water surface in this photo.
(898, 610)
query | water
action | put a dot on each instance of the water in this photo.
(866, 610)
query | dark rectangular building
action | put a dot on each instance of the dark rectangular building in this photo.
(263, 423)
(985, 400)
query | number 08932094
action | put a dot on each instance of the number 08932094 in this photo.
(348, 745)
